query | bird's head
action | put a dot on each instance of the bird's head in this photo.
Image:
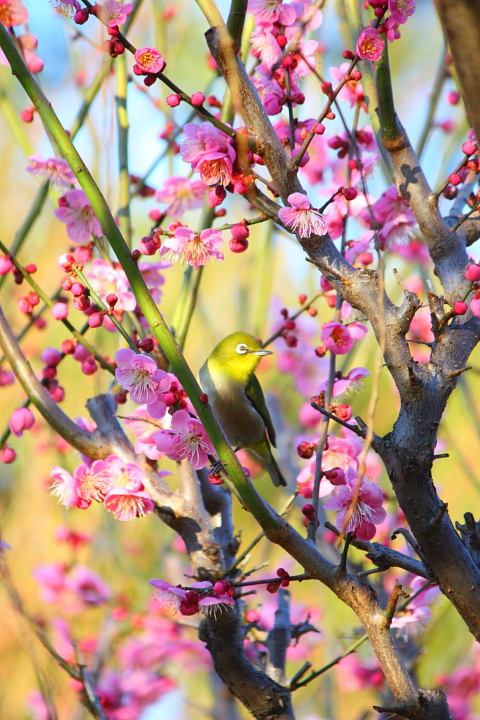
(237, 356)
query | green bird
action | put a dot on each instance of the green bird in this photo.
(237, 400)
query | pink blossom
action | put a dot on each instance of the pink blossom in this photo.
(79, 217)
(265, 10)
(89, 588)
(68, 7)
(356, 674)
(59, 310)
(391, 28)
(20, 420)
(359, 506)
(370, 45)
(153, 277)
(6, 377)
(107, 279)
(114, 12)
(200, 597)
(401, 9)
(28, 43)
(65, 488)
(168, 593)
(91, 481)
(149, 60)
(51, 578)
(144, 428)
(417, 614)
(265, 45)
(181, 194)
(56, 170)
(140, 375)
(6, 264)
(187, 438)
(301, 217)
(337, 338)
(414, 251)
(193, 249)
(347, 383)
(12, 12)
(128, 504)
(352, 91)
(210, 152)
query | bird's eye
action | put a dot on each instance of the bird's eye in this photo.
(241, 349)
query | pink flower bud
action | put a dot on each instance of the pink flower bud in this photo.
(81, 353)
(56, 392)
(453, 98)
(68, 347)
(319, 129)
(216, 196)
(325, 285)
(20, 420)
(198, 99)
(23, 305)
(344, 412)
(174, 100)
(95, 320)
(252, 616)
(31, 268)
(51, 356)
(84, 253)
(240, 232)
(455, 179)
(309, 511)
(215, 479)
(89, 366)
(155, 214)
(27, 115)
(111, 299)
(146, 345)
(5, 264)
(469, 147)
(238, 246)
(349, 193)
(77, 289)
(336, 476)
(472, 273)
(365, 258)
(60, 311)
(81, 16)
(221, 587)
(66, 261)
(49, 373)
(7, 455)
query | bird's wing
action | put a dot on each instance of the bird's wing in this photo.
(256, 397)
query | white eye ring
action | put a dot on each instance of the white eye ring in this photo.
(241, 349)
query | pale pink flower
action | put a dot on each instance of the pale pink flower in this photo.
(68, 7)
(149, 60)
(370, 45)
(181, 194)
(91, 482)
(79, 217)
(193, 249)
(401, 10)
(209, 151)
(265, 45)
(20, 420)
(337, 338)
(88, 587)
(144, 428)
(308, 61)
(346, 384)
(187, 438)
(12, 12)
(352, 91)
(107, 279)
(301, 217)
(417, 614)
(114, 12)
(128, 504)
(265, 10)
(64, 487)
(358, 505)
(169, 594)
(140, 375)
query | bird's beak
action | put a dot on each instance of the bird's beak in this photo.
(262, 352)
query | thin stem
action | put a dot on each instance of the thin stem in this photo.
(124, 219)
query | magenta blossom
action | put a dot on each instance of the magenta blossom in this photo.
(187, 438)
(12, 12)
(20, 420)
(149, 60)
(210, 152)
(265, 10)
(370, 45)
(359, 505)
(107, 280)
(56, 170)
(337, 338)
(199, 597)
(301, 217)
(91, 481)
(140, 375)
(153, 277)
(401, 10)
(79, 217)
(181, 194)
(114, 12)
(193, 249)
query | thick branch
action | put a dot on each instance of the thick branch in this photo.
(279, 638)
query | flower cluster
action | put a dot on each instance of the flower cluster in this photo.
(199, 597)
(209, 151)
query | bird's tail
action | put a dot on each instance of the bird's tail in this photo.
(262, 452)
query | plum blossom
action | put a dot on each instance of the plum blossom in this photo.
(346, 383)
(337, 338)
(128, 504)
(209, 151)
(417, 614)
(193, 249)
(265, 45)
(394, 214)
(141, 376)
(91, 483)
(352, 91)
(12, 12)
(78, 215)
(20, 420)
(64, 487)
(74, 590)
(144, 428)
(265, 10)
(125, 494)
(342, 452)
(301, 217)
(187, 438)
(401, 10)
(370, 45)
(181, 194)
(107, 279)
(358, 505)
(114, 12)
(199, 597)
(148, 60)
(68, 7)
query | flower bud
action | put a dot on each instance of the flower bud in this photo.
(7, 455)
(96, 319)
(174, 100)
(336, 476)
(146, 345)
(198, 99)
(460, 308)
(472, 273)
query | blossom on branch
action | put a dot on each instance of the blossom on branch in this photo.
(193, 249)
(78, 215)
(56, 170)
(12, 12)
(370, 45)
(187, 438)
(301, 217)
(181, 194)
(209, 151)
(360, 506)
(140, 375)
(114, 12)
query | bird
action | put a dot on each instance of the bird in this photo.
(237, 400)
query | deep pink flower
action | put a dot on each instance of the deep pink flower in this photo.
(79, 217)
(12, 13)
(149, 60)
(140, 375)
(337, 338)
(181, 194)
(106, 280)
(193, 249)
(210, 152)
(301, 217)
(128, 504)
(6, 264)
(114, 12)
(20, 420)
(370, 45)
(187, 438)
(401, 10)
(359, 506)
(6, 377)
